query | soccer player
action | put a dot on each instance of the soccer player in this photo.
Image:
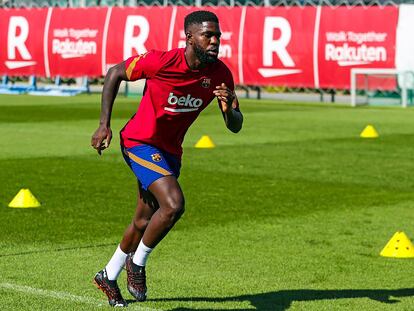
(180, 84)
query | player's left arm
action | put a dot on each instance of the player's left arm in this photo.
(103, 134)
(229, 106)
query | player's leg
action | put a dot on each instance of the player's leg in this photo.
(158, 172)
(170, 198)
(146, 207)
(105, 279)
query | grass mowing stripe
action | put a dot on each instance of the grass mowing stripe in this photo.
(62, 296)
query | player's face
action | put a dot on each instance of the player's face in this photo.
(207, 41)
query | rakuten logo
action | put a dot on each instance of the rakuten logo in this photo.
(347, 55)
(17, 35)
(354, 48)
(191, 103)
(136, 33)
(278, 46)
(73, 49)
(73, 43)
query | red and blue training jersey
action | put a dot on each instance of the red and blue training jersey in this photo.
(174, 95)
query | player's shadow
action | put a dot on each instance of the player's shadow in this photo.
(282, 300)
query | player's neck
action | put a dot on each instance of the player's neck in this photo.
(192, 60)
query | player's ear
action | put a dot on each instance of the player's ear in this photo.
(189, 37)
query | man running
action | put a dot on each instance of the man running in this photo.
(180, 84)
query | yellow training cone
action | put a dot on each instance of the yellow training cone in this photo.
(369, 132)
(205, 142)
(399, 246)
(24, 199)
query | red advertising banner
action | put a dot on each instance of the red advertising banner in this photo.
(135, 31)
(312, 47)
(21, 41)
(75, 41)
(277, 46)
(367, 40)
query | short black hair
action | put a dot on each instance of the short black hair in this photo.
(198, 17)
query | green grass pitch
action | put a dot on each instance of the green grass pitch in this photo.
(289, 214)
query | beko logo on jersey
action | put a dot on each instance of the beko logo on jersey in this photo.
(190, 103)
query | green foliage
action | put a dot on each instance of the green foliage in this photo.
(289, 214)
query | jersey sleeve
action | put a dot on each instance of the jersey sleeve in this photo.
(143, 66)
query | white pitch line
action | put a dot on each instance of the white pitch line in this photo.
(63, 296)
(49, 293)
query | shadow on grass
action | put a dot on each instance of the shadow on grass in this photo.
(282, 300)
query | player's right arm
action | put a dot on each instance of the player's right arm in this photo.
(143, 66)
(103, 134)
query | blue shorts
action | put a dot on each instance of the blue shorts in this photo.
(149, 163)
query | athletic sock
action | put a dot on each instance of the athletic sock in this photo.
(115, 265)
(141, 255)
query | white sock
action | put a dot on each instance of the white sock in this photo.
(141, 255)
(115, 265)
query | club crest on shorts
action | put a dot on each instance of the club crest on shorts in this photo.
(206, 83)
(156, 157)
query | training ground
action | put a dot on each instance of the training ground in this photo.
(289, 214)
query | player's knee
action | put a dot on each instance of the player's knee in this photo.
(174, 208)
(140, 224)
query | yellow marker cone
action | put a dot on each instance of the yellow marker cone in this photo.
(205, 142)
(369, 132)
(399, 246)
(24, 199)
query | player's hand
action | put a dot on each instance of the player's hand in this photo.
(225, 97)
(101, 138)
